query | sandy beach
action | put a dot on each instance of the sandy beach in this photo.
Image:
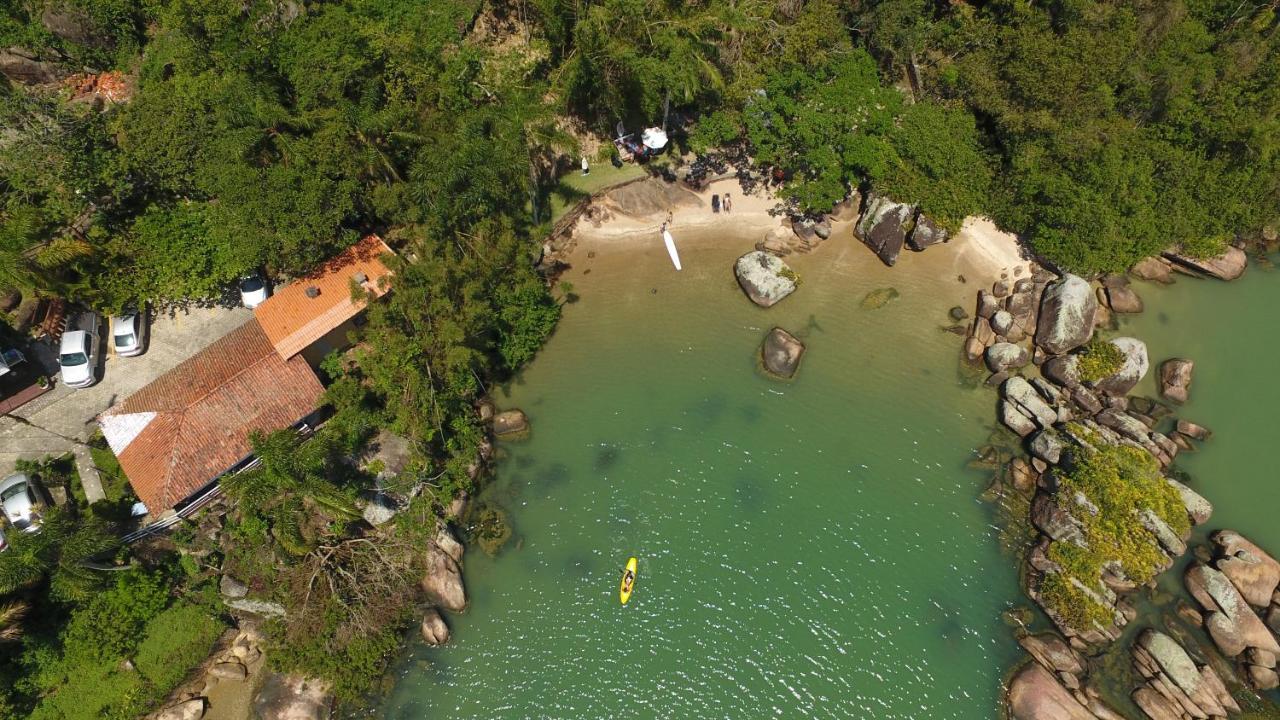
(979, 254)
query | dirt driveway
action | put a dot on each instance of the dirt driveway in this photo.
(63, 418)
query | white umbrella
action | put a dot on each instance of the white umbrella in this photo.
(654, 138)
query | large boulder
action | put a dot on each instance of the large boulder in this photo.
(764, 278)
(434, 630)
(1230, 621)
(1054, 653)
(22, 66)
(1175, 378)
(510, 423)
(290, 697)
(1227, 266)
(1020, 393)
(1006, 356)
(1122, 298)
(442, 582)
(1067, 313)
(1254, 573)
(1035, 694)
(925, 233)
(883, 227)
(1133, 369)
(1152, 269)
(1175, 687)
(781, 353)
(71, 23)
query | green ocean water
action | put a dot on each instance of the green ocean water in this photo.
(807, 549)
(1229, 330)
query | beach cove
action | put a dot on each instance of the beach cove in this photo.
(814, 547)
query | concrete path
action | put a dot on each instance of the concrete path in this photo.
(89, 478)
(63, 418)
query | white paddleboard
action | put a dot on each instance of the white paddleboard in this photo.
(671, 248)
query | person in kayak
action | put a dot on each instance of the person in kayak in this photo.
(628, 578)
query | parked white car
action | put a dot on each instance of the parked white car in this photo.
(78, 352)
(126, 334)
(253, 291)
(21, 502)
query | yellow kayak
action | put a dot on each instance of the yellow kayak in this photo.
(628, 581)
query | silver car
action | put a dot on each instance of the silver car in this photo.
(78, 351)
(253, 291)
(126, 334)
(21, 502)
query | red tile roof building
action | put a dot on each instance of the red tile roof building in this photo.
(192, 424)
(308, 308)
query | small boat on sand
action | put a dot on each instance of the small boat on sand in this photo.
(671, 247)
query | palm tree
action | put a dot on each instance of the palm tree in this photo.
(12, 613)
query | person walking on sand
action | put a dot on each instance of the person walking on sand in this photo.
(670, 216)
(715, 203)
(727, 204)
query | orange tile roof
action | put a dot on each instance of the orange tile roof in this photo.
(191, 424)
(293, 320)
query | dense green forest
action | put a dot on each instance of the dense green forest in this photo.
(269, 134)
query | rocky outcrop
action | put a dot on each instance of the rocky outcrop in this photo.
(1227, 266)
(1253, 572)
(290, 697)
(442, 583)
(1067, 314)
(1120, 295)
(1133, 369)
(1152, 269)
(1175, 378)
(781, 353)
(510, 423)
(926, 232)
(1023, 409)
(434, 630)
(23, 67)
(232, 588)
(1174, 687)
(1231, 623)
(1036, 694)
(764, 278)
(883, 227)
(1006, 356)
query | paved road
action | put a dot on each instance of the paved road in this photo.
(55, 422)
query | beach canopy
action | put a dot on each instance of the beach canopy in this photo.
(654, 138)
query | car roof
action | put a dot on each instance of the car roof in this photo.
(73, 340)
(14, 479)
(122, 324)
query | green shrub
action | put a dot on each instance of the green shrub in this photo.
(1119, 481)
(176, 640)
(1099, 359)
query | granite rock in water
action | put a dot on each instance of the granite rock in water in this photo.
(1006, 356)
(443, 580)
(510, 423)
(1227, 266)
(1133, 369)
(1174, 686)
(764, 278)
(1230, 621)
(1067, 313)
(1175, 378)
(1152, 269)
(781, 353)
(434, 630)
(1035, 694)
(883, 227)
(1253, 572)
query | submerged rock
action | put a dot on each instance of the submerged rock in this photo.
(764, 278)
(1067, 313)
(781, 353)
(883, 227)
(878, 298)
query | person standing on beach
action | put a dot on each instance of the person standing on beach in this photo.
(715, 203)
(727, 204)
